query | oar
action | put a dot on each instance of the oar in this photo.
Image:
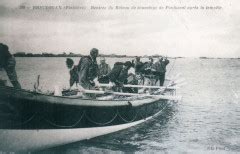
(165, 97)
(139, 86)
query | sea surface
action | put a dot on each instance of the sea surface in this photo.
(207, 120)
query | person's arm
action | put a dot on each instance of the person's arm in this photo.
(122, 78)
(11, 72)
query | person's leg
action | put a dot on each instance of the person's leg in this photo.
(11, 72)
(162, 78)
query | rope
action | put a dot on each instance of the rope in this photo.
(106, 123)
(26, 121)
(125, 119)
(154, 116)
(61, 126)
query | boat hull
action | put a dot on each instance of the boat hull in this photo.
(31, 140)
(33, 121)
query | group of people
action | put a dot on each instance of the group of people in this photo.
(151, 70)
(88, 73)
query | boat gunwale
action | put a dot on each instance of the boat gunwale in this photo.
(108, 103)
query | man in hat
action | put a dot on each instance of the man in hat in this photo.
(103, 69)
(88, 69)
(160, 67)
(8, 63)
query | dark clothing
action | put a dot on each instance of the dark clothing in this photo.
(118, 75)
(138, 67)
(8, 63)
(4, 57)
(146, 68)
(114, 75)
(74, 76)
(161, 78)
(160, 68)
(122, 78)
(87, 71)
(11, 72)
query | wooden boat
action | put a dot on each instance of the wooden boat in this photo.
(33, 121)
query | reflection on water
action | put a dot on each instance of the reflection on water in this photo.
(206, 120)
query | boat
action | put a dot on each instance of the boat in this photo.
(33, 121)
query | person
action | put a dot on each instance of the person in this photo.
(103, 69)
(148, 72)
(119, 74)
(132, 80)
(138, 66)
(8, 63)
(160, 67)
(88, 69)
(74, 79)
(148, 67)
(139, 70)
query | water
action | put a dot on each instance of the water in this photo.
(206, 120)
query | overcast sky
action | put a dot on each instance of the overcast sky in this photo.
(213, 33)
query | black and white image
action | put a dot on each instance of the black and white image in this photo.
(106, 76)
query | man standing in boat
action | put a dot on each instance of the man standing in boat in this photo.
(160, 67)
(88, 69)
(8, 63)
(103, 69)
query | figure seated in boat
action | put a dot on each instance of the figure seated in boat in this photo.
(119, 75)
(145, 72)
(103, 70)
(132, 80)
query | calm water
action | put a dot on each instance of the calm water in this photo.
(206, 120)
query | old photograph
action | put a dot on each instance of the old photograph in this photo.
(119, 76)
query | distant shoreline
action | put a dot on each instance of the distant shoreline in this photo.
(119, 57)
(23, 54)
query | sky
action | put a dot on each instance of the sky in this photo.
(187, 33)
